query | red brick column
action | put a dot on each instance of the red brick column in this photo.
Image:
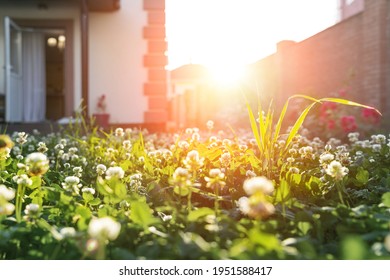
(155, 61)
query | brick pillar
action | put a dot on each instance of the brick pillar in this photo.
(374, 51)
(155, 61)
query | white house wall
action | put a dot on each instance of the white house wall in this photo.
(116, 50)
(55, 11)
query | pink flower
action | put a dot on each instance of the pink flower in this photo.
(331, 124)
(348, 123)
(370, 115)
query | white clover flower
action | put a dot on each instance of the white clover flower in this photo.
(100, 169)
(6, 193)
(72, 184)
(7, 209)
(37, 164)
(294, 170)
(104, 228)
(336, 170)
(225, 159)
(32, 210)
(195, 137)
(379, 139)
(73, 150)
(115, 172)
(193, 161)
(42, 147)
(210, 124)
(376, 147)
(88, 190)
(226, 142)
(22, 179)
(250, 173)
(119, 132)
(78, 170)
(126, 144)
(258, 209)
(258, 184)
(183, 145)
(22, 138)
(326, 157)
(59, 147)
(67, 232)
(216, 178)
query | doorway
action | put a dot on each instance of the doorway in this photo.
(42, 89)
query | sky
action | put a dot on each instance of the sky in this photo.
(219, 33)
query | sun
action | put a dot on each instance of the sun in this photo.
(227, 75)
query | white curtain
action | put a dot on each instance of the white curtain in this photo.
(34, 77)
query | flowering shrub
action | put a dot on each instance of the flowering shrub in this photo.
(335, 120)
(197, 194)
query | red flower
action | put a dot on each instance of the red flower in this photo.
(331, 124)
(348, 123)
(370, 115)
(327, 108)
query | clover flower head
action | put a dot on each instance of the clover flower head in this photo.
(210, 124)
(37, 164)
(119, 132)
(67, 232)
(32, 210)
(88, 190)
(78, 171)
(193, 161)
(6, 194)
(42, 147)
(72, 184)
(115, 172)
(100, 169)
(126, 144)
(255, 209)
(7, 209)
(250, 174)
(326, 157)
(225, 159)
(104, 228)
(22, 179)
(336, 170)
(215, 178)
(376, 147)
(22, 138)
(258, 184)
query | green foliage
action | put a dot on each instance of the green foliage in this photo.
(158, 218)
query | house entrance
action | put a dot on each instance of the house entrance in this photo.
(38, 73)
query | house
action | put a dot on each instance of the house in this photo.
(354, 54)
(59, 55)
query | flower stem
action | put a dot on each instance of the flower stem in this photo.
(19, 202)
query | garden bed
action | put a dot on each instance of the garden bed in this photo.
(131, 194)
